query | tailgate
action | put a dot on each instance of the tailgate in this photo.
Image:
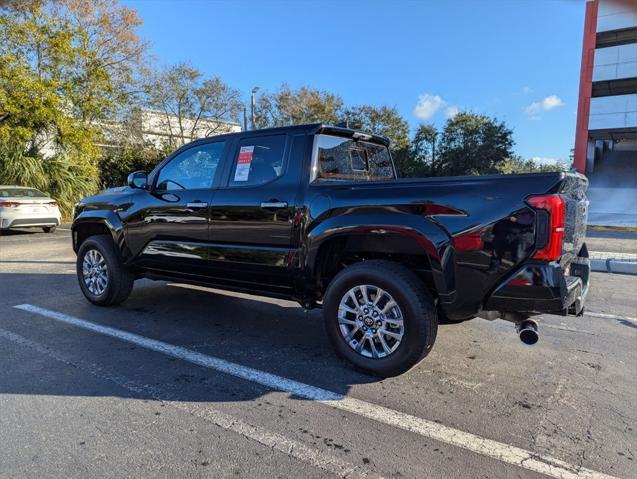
(573, 190)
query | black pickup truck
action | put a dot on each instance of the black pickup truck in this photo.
(316, 214)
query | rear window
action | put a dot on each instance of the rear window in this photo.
(345, 159)
(21, 193)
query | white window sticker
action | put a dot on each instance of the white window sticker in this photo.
(242, 173)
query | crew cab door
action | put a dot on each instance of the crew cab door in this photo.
(170, 226)
(252, 214)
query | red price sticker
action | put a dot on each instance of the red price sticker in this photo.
(242, 173)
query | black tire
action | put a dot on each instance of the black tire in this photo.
(120, 278)
(49, 229)
(416, 304)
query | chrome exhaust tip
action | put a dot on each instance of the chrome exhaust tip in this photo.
(527, 331)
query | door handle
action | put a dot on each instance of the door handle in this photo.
(274, 204)
(197, 204)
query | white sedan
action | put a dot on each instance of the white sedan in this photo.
(23, 207)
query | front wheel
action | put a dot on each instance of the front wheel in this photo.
(380, 317)
(104, 280)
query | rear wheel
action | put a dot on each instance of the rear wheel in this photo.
(380, 317)
(104, 280)
(49, 229)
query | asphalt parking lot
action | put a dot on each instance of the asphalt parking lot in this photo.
(193, 382)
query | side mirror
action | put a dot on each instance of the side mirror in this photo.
(138, 179)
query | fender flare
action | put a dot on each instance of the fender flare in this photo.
(109, 220)
(434, 241)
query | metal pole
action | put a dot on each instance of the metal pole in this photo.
(254, 90)
(245, 118)
(433, 154)
(252, 109)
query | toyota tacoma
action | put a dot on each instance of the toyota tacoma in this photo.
(316, 214)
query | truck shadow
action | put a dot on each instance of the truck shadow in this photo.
(274, 336)
(21, 232)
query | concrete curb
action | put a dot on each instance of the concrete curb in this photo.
(611, 228)
(612, 265)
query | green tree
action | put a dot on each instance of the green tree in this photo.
(424, 151)
(517, 164)
(66, 66)
(31, 89)
(295, 107)
(66, 178)
(117, 163)
(384, 121)
(473, 144)
(89, 49)
(109, 56)
(191, 106)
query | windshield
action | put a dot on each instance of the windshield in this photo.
(345, 159)
(21, 193)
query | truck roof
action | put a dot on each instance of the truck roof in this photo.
(311, 128)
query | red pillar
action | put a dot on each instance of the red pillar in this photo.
(585, 86)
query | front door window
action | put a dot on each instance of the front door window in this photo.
(191, 169)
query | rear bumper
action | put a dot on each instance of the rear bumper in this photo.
(7, 223)
(543, 288)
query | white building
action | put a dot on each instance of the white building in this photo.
(158, 128)
(155, 128)
(606, 141)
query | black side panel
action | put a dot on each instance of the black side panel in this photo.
(475, 231)
(253, 227)
(167, 233)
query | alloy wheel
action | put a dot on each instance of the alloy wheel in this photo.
(95, 272)
(370, 321)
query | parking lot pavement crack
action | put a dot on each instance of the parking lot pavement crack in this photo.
(628, 429)
(273, 441)
(589, 439)
(551, 432)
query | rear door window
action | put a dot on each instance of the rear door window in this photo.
(258, 160)
(345, 159)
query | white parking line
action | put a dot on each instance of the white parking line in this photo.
(502, 452)
(275, 441)
(611, 316)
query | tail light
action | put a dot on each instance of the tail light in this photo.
(52, 203)
(551, 216)
(469, 242)
(10, 204)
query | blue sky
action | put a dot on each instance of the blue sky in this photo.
(517, 60)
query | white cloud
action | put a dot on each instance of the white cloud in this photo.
(452, 111)
(428, 105)
(547, 104)
(551, 102)
(526, 90)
